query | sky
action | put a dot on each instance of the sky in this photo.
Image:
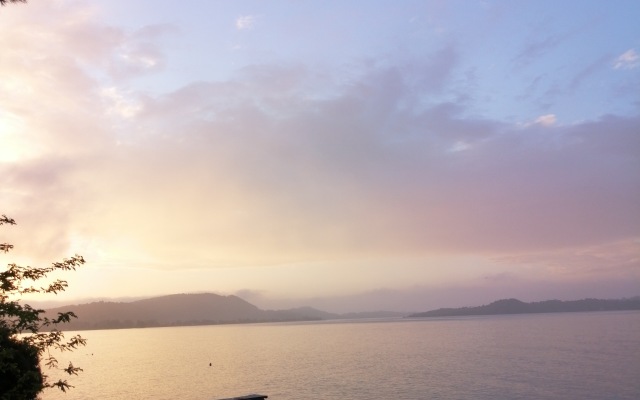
(359, 155)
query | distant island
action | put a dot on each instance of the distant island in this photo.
(515, 306)
(190, 310)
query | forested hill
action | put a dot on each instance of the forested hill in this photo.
(172, 310)
(514, 306)
(184, 310)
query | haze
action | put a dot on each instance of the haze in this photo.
(351, 156)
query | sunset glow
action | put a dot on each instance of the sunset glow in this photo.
(349, 155)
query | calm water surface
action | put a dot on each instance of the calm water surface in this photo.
(541, 356)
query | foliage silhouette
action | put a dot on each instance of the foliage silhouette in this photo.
(3, 2)
(22, 344)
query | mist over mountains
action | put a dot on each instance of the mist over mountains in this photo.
(212, 309)
(190, 309)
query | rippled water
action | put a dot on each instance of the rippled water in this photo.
(542, 356)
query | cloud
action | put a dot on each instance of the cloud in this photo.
(538, 45)
(627, 60)
(534, 49)
(250, 170)
(138, 52)
(546, 120)
(245, 22)
(120, 104)
(586, 73)
(254, 170)
(284, 164)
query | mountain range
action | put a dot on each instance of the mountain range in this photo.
(211, 309)
(190, 309)
(515, 306)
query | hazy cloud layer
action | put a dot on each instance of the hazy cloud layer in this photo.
(287, 163)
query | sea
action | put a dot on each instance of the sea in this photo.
(591, 355)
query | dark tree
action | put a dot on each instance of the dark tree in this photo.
(20, 374)
(22, 344)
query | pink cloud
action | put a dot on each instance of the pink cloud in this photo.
(288, 164)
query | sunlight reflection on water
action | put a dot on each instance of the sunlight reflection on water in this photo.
(543, 356)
